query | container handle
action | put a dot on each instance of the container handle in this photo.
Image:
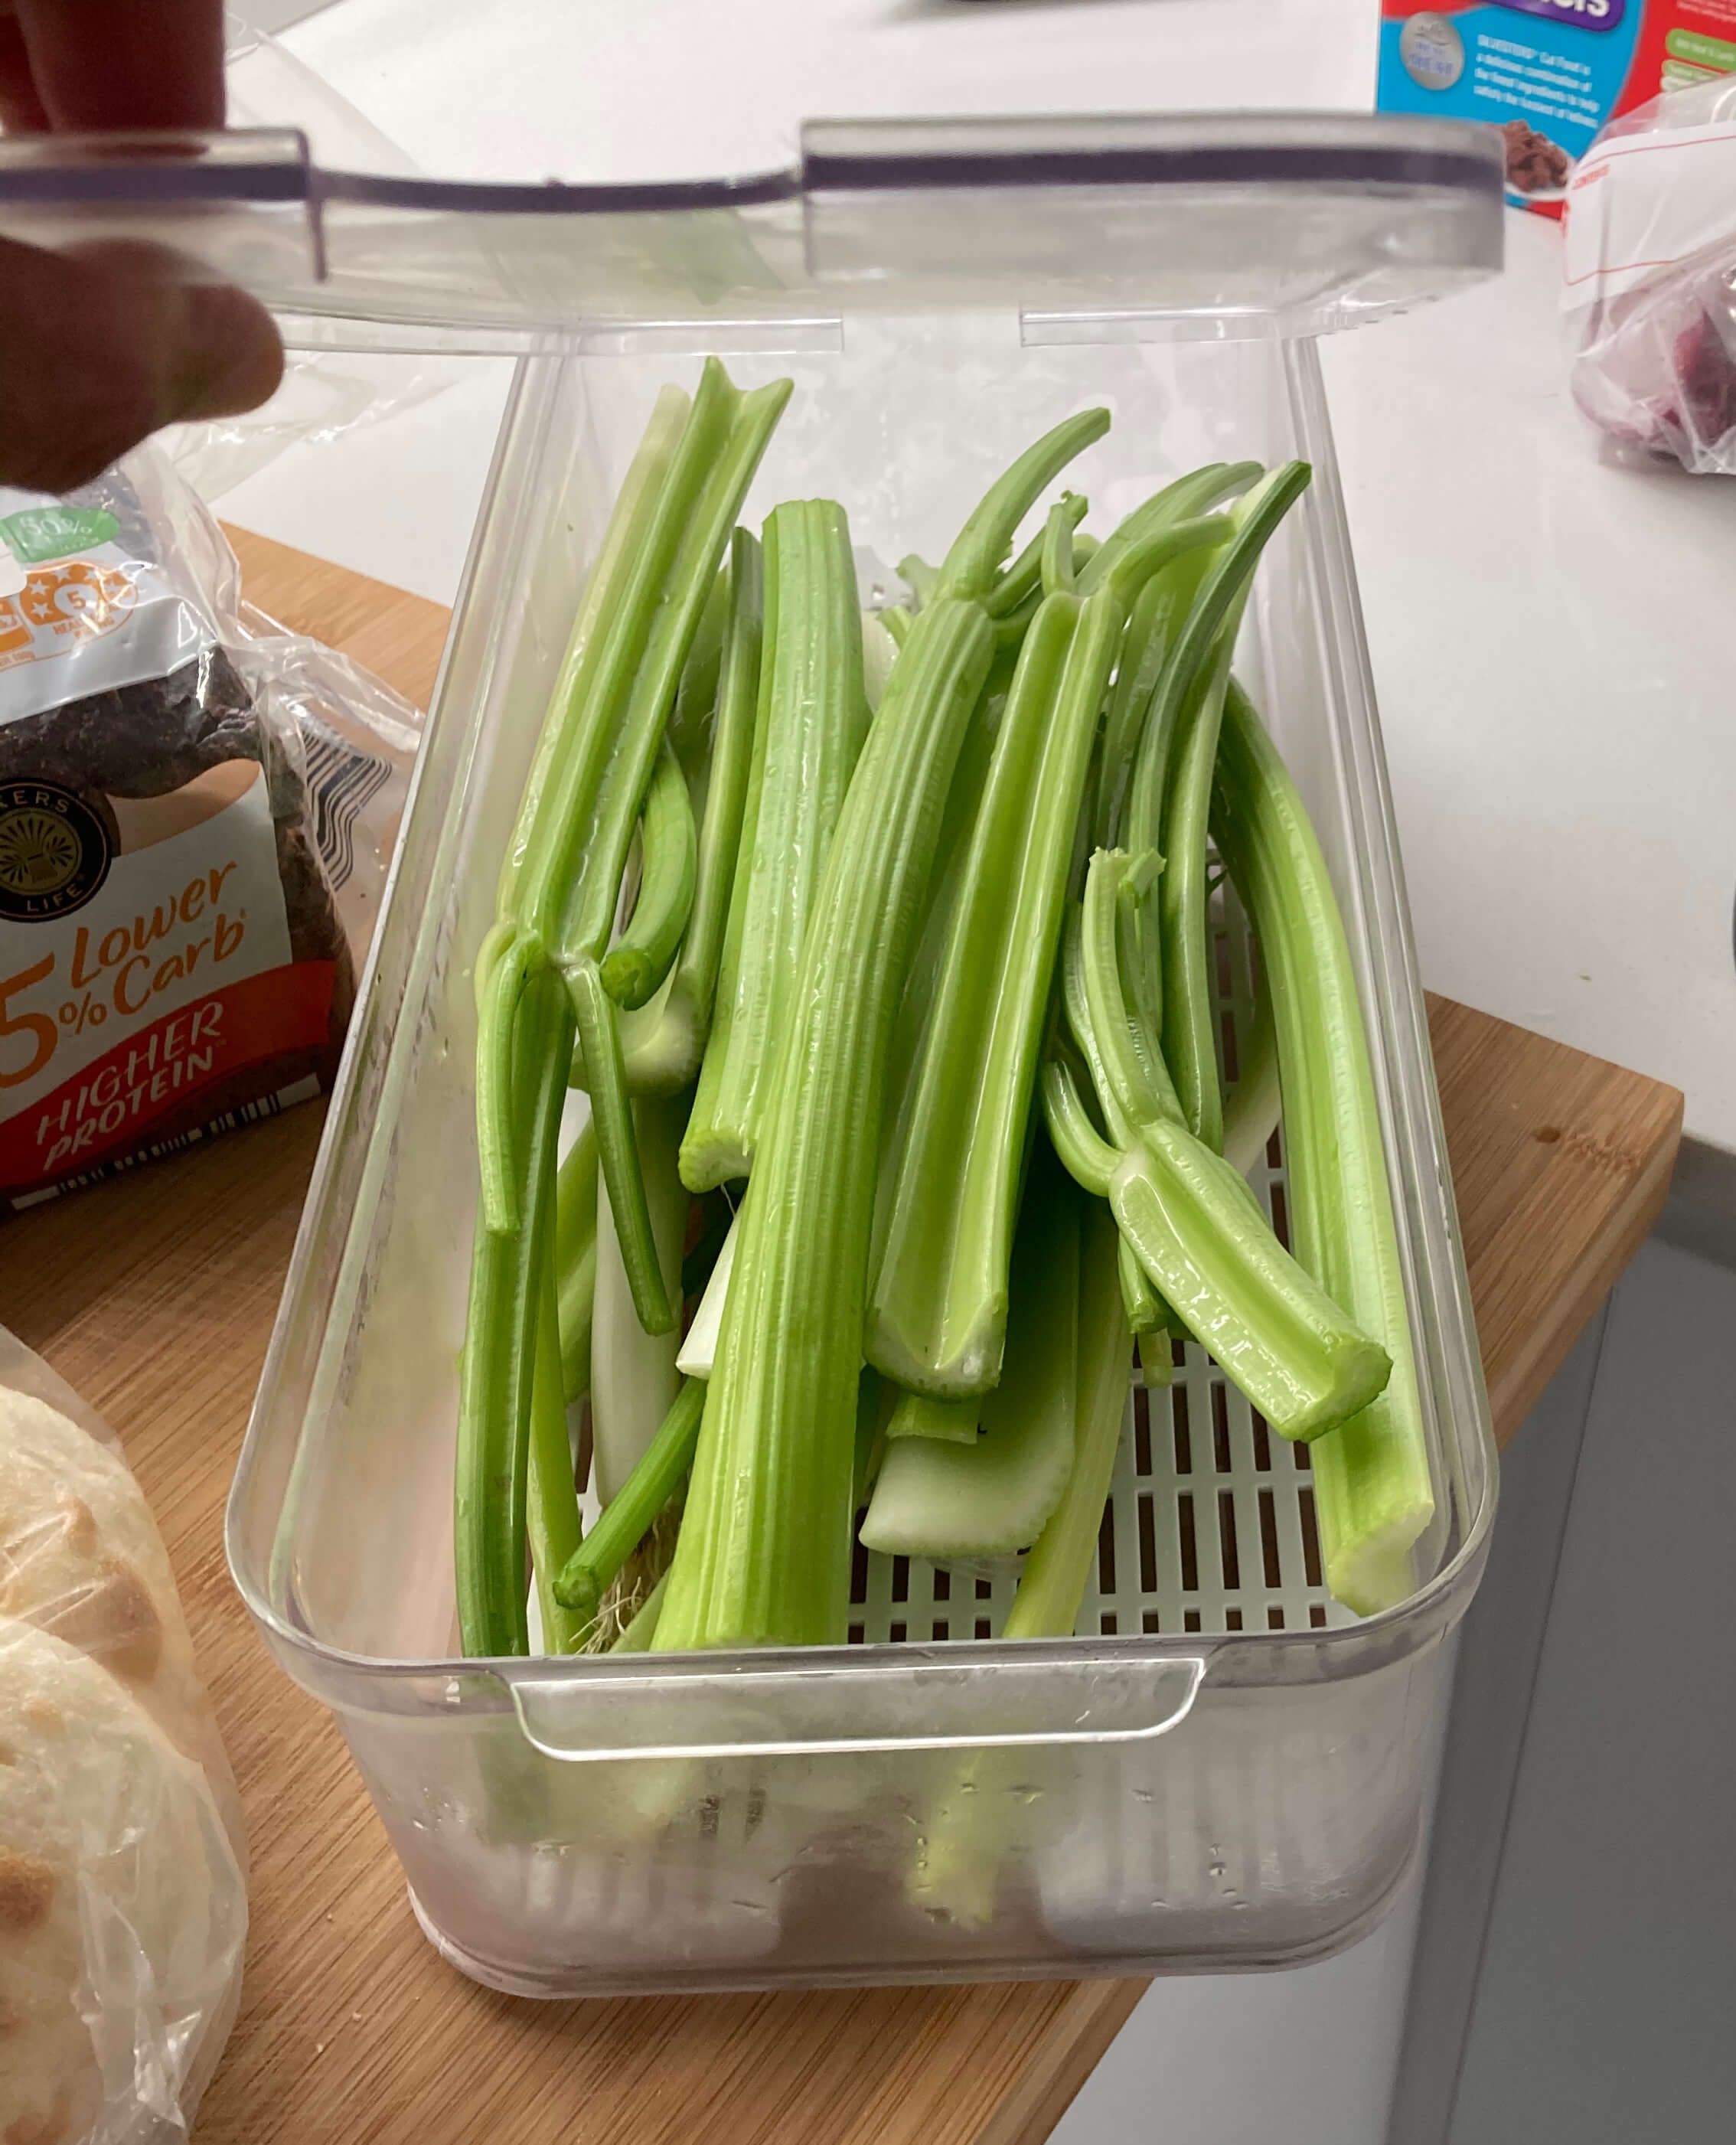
(816, 1708)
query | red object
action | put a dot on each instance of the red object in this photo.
(172, 1076)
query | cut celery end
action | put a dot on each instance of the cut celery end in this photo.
(993, 1495)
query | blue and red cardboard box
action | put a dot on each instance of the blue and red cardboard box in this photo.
(1549, 73)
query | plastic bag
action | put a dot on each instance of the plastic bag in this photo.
(1649, 262)
(123, 1909)
(196, 813)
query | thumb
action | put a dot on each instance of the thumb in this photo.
(102, 346)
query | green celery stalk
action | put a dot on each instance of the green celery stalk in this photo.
(1190, 495)
(634, 1380)
(918, 1415)
(576, 1260)
(938, 1312)
(635, 965)
(643, 1268)
(992, 1495)
(1196, 1229)
(969, 567)
(1374, 1497)
(590, 1564)
(1202, 655)
(1274, 1329)
(499, 1352)
(1022, 583)
(879, 651)
(812, 718)
(764, 1554)
(1082, 1149)
(551, 1503)
(661, 1044)
(961, 1849)
(1052, 1587)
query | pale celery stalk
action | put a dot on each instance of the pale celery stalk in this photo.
(918, 1415)
(879, 650)
(699, 1349)
(992, 1495)
(642, 956)
(661, 1044)
(937, 1313)
(811, 717)
(961, 1849)
(633, 1376)
(576, 1260)
(1255, 1104)
(1201, 658)
(1052, 1587)
(763, 1556)
(589, 1565)
(1372, 1488)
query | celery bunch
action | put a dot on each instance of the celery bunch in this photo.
(919, 1000)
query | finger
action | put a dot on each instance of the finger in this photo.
(21, 109)
(103, 346)
(101, 66)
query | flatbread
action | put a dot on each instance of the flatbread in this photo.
(80, 1556)
(123, 1908)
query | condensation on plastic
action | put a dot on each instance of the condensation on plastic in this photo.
(1650, 301)
(116, 1804)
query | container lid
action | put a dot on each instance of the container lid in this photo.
(1224, 223)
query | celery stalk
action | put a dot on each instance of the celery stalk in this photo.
(657, 1475)
(1201, 659)
(499, 1352)
(551, 1504)
(811, 717)
(918, 1415)
(764, 1552)
(937, 1316)
(576, 1260)
(661, 1044)
(644, 1267)
(635, 965)
(1022, 580)
(1052, 1587)
(699, 1349)
(1304, 1365)
(633, 1376)
(992, 1495)
(1255, 1104)
(1373, 1493)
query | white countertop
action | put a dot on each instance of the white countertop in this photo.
(1549, 632)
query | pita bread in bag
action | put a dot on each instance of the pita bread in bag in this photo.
(123, 1883)
(122, 1912)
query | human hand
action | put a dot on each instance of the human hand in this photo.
(102, 344)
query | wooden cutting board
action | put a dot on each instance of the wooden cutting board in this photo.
(154, 1296)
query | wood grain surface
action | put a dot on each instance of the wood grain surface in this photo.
(154, 1296)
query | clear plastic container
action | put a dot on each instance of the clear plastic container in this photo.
(1220, 1769)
